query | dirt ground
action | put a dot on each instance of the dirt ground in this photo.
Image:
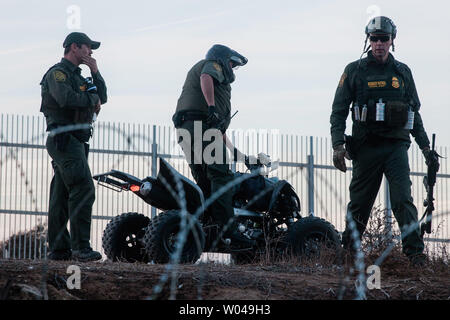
(38, 279)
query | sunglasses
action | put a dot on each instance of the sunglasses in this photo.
(381, 38)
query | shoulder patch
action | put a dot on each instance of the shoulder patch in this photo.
(342, 80)
(59, 76)
(217, 66)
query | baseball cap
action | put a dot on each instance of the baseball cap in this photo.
(80, 38)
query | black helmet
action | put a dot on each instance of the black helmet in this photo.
(224, 55)
(381, 24)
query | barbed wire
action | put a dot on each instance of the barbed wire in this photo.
(359, 261)
(184, 229)
(188, 221)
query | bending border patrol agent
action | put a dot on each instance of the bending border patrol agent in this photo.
(205, 101)
(385, 110)
(70, 99)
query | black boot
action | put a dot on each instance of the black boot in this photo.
(60, 255)
(86, 254)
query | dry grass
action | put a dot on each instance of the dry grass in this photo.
(379, 236)
(272, 275)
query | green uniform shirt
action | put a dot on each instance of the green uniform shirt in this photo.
(393, 78)
(63, 91)
(192, 98)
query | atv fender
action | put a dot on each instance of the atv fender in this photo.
(279, 186)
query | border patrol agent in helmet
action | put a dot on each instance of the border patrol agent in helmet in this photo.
(205, 101)
(227, 58)
(70, 99)
(385, 111)
(381, 25)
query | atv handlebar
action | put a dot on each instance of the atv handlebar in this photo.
(263, 162)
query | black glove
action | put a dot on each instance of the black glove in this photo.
(431, 158)
(339, 153)
(213, 120)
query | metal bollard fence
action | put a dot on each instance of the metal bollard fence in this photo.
(306, 162)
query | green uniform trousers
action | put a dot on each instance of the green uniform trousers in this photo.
(209, 177)
(72, 195)
(372, 160)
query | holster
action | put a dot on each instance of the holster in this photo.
(62, 139)
(181, 116)
(352, 145)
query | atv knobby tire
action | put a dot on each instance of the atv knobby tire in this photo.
(307, 236)
(161, 235)
(123, 236)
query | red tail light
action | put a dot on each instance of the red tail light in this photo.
(134, 188)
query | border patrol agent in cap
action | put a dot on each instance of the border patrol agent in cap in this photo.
(70, 99)
(385, 111)
(80, 38)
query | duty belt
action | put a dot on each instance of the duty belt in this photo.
(82, 135)
(180, 117)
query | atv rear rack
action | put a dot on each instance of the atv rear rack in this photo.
(106, 181)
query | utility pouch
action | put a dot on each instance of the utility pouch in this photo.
(396, 114)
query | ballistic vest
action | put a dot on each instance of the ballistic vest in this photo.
(192, 98)
(57, 115)
(386, 82)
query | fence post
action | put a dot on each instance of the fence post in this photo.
(233, 162)
(154, 162)
(387, 201)
(311, 177)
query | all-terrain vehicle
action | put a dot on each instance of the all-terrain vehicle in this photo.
(266, 210)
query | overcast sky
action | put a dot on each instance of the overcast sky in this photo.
(297, 51)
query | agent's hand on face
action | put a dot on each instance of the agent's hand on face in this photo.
(91, 63)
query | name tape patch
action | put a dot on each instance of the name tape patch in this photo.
(376, 84)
